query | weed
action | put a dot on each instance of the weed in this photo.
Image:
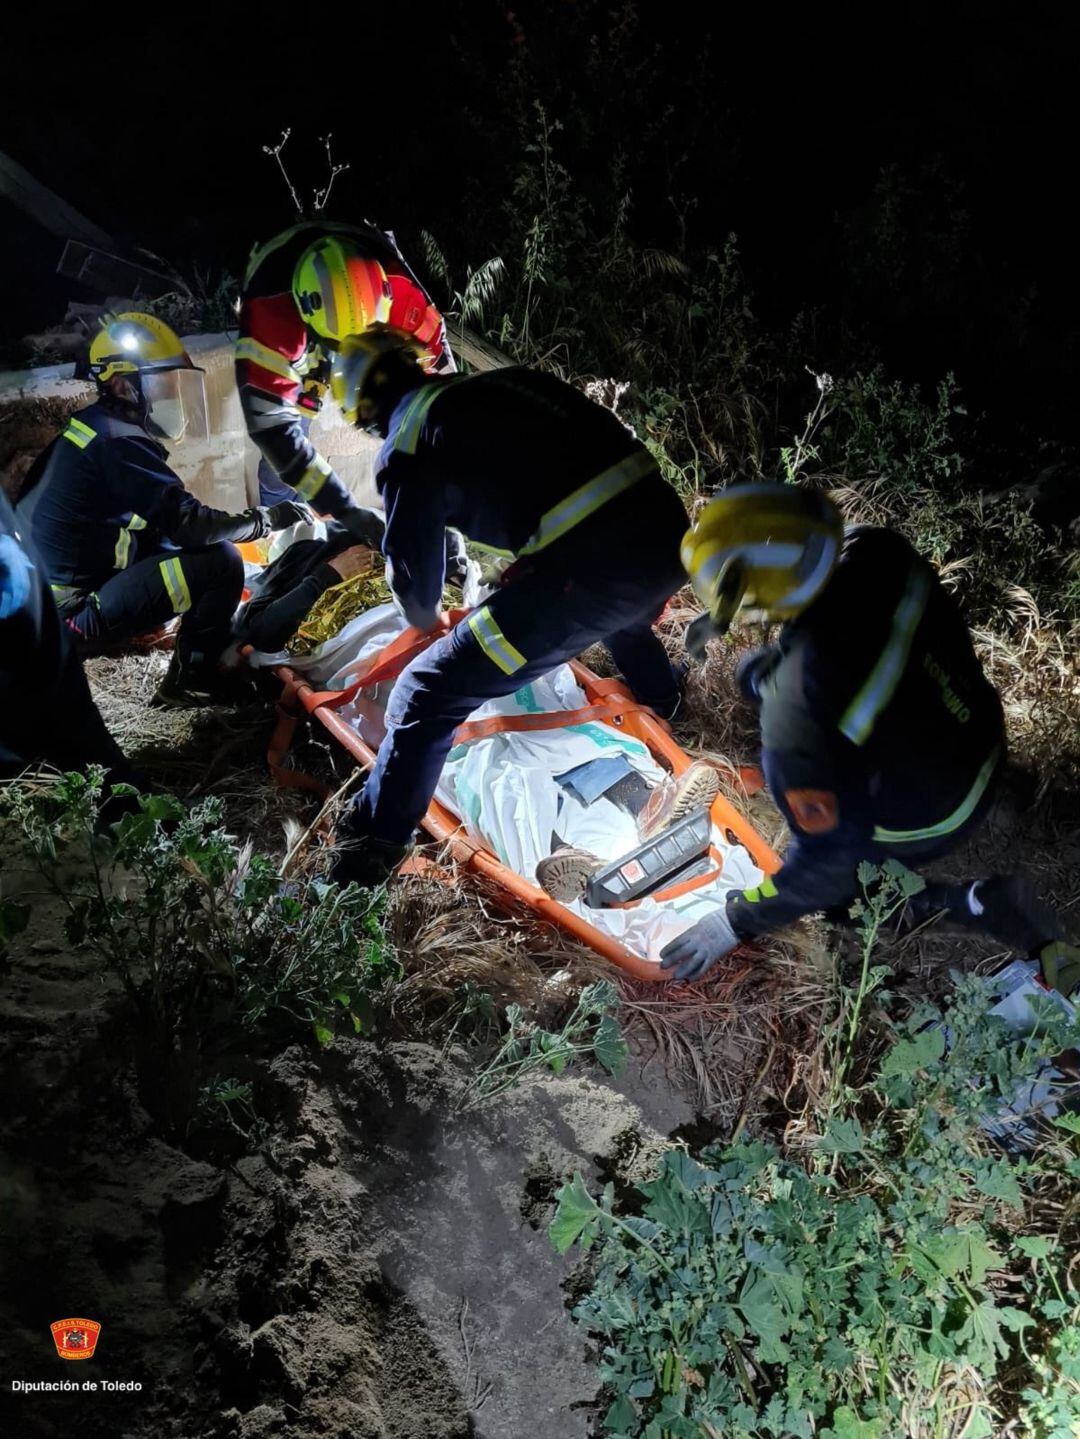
(590, 1031)
(889, 1275)
(178, 910)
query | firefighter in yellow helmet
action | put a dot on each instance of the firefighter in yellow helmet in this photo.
(305, 292)
(881, 736)
(124, 545)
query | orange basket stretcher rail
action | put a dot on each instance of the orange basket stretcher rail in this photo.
(609, 703)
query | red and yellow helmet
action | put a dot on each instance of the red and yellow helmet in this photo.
(340, 291)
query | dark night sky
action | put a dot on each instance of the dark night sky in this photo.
(152, 122)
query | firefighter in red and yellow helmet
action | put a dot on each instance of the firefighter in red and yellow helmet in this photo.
(306, 291)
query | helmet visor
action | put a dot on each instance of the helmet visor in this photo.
(176, 404)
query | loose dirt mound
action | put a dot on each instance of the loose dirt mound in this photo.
(380, 1270)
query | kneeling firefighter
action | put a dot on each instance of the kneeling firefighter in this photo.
(306, 291)
(124, 545)
(881, 736)
(525, 465)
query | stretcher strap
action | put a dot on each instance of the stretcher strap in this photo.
(546, 720)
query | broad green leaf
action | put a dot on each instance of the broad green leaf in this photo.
(981, 1331)
(997, 1181)
(324, 1036)
(687, 1171)
(1035, 1246)
(670, 1206)
(621, 1418)
(959, 1251)
(843, 1136)
(575, 1211)
(162, 807)
(1071, 1122)
(610, 1047)
(907, 1056)
(770, 1302)
(1015, 1319)
(846, 1424)
(979, 1426)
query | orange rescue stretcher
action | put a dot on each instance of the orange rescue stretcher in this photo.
(609, 703)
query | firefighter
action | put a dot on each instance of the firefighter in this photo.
(124, 545)
(305, 292)
(881, 736)
(46, 712)
(525, 465)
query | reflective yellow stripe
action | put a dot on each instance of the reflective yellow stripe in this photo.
(765, 890)
(959, 815)
(407, 434)
(865, 709)
(122, 553)
(313, 478)
(78, 433)
(588, 498)
(249, 349)
(172, 573)
(494, 643)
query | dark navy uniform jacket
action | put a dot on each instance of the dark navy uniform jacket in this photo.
(880, 732)
(521, 462)
(102, 496)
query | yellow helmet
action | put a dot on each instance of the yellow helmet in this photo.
(357, 358)
(134, 343)
(339, 291)
(772, 545)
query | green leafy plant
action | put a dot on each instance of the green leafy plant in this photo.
(889, 1274)
(590, 1031)
(172, 904)
(231, 1102)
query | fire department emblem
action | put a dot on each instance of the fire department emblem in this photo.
(75, 1338)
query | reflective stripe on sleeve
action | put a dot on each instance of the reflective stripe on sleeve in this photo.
(265, 358)
(588, 498)
(314, 477)
(172, 573)
(494, 643)
(79, 433)
(862, 714)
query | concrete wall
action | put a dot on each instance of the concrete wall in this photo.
(35, 404)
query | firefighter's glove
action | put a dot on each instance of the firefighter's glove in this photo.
(366, 526)
(695, 952)
(457, 561)
(287, 514)
(698, 634)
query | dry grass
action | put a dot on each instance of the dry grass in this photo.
(195, 752)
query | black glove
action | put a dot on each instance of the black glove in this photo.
(753, 669)
(366, 527)
(289, 512)
(457, 561)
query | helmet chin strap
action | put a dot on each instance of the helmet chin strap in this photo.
(715, 623)
(136, 403)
